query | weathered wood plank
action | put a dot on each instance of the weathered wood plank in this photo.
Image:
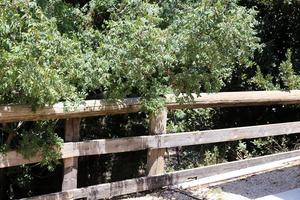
(105, 146)
(13, 158)
(236, 99)
(155, 157)
(89, 108)
(11, 113)
(109, 190)
(72, 134)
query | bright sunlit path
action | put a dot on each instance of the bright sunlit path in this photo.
(288, 195)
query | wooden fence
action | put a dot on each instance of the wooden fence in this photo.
(156, 142)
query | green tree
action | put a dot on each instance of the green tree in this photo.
(52, 51)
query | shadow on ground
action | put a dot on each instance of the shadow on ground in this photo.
(265, 184)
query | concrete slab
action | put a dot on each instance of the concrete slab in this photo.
(288, 195)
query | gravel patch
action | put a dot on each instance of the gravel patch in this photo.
(252, 187)
(172, 194)
(265, 184)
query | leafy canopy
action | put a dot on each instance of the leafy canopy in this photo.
(54, 51)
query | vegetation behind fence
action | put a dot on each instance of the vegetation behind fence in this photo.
(156, 143)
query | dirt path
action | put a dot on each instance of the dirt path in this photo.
(243, 189)
(265, 184)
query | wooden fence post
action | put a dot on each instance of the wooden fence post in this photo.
(72, 134)
(155, 157)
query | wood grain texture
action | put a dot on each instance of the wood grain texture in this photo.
(109, 190)
(105, 146)
(155, 157)
(236, 99)
(11, 113)
(72, 134)
(89, 108)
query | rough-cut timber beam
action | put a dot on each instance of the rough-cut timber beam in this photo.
(11, 113)
(155, 157)
(87, 108)
(105, 146)
(236, 99)
(240, 168)
(72, 134)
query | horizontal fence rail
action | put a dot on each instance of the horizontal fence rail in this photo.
(106, 146)
(12, 113)
(154, 143)
(109, 190)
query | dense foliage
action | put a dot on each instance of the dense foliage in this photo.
(276, 67)
(71, 50)
(57, 51)
(54, 51)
